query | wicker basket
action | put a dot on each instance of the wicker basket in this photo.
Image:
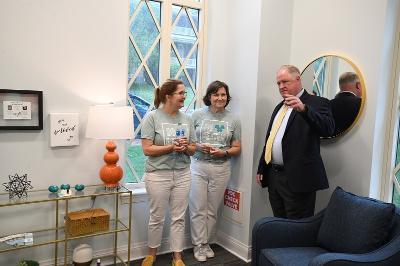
(87, 221)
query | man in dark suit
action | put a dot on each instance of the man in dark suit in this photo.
(291, 165)
(346, 104)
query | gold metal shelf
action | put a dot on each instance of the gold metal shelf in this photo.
(56, 235)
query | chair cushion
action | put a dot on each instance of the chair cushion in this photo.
(354, 224)
(289, 256)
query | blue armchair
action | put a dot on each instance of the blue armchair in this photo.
(352, 230)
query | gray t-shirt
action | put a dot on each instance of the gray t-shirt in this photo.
(162, 129)
(216, 129)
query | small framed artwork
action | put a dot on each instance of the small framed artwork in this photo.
(21, 109)
(64, 129)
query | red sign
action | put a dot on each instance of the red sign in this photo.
(232, 199)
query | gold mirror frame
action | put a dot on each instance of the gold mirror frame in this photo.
(334, 66)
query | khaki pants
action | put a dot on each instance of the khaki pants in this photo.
(207, 189)
(167, 188)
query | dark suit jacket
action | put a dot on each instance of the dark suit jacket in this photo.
(301, 145)
(345, 107)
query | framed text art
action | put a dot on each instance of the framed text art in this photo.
(64, 129)
(21, 109)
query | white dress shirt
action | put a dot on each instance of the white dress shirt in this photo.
(277, 157)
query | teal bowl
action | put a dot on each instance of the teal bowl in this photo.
(53, 189)
(65, 186)
(79, 187)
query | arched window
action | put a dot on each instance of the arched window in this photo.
(165, 41)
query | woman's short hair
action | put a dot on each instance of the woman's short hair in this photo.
(213, 88)
(167, 88)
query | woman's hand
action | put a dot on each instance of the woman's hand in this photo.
(180, 144)
(203, 147)
(217, 153)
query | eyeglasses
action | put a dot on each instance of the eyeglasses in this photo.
(182, 93)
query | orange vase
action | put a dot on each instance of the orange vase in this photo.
(111, 173)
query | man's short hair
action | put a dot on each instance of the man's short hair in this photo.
(348, 77)
(294, 71)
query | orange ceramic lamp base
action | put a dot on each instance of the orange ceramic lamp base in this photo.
(111, 173)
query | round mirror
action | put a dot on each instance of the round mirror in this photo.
(339, 80)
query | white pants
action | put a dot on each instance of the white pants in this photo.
(167, 188)
(207, 189)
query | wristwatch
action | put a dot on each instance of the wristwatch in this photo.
(226, 153)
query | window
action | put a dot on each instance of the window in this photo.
(319, 76)
(394, 139)
(165, 41)
(395, 173)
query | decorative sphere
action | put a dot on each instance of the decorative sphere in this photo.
(65, 186)
(82, 254)
(53, 189)
(79, 187)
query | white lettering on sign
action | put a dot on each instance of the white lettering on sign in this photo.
(232, 199)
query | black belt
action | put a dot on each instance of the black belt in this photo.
(277, 167)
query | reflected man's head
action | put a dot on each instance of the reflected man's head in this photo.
(349, 81)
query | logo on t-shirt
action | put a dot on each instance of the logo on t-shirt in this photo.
(214, 132)
(173, 131)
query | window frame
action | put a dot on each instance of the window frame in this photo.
(166, 44)
(389, 181)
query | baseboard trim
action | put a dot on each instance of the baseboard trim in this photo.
(138, 250)
(234, 246)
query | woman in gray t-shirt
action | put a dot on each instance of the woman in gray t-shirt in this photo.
(218, 134)
(168, 139)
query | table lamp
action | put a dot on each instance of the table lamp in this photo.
(111, 123)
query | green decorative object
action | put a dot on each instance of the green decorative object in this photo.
(79, 187)
(65, 186)
(53, 189)
(28, 263)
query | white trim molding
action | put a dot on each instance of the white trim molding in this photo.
(234, 246)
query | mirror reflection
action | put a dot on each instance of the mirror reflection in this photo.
(339, 80)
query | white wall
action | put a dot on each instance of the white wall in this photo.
(233, 48)
(274, 51)
(75, 52)
(359, 31)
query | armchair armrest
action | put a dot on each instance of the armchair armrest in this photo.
(388, 254)
(271, 232)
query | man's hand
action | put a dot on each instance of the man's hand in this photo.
(259, 178)
(294, 102)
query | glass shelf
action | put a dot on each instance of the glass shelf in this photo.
(40, 237)
(38, 196)
(48, 236)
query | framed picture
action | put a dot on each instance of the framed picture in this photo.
(21, 109)
(64, 129)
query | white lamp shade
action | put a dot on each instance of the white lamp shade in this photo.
(110, 122)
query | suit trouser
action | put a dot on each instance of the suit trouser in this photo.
(284, 201)
(207, 188)
(167, 188)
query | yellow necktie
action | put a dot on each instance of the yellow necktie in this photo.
(275, 127)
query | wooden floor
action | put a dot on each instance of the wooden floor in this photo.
(222, 257)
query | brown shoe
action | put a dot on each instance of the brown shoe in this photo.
(178, 263)
(148, 260)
